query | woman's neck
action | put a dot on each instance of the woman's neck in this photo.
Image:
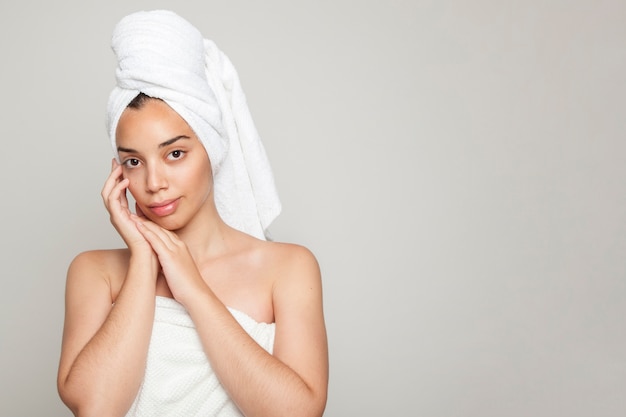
(206, 235)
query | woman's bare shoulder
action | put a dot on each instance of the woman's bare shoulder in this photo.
(297, 302)
(290, 252)
(271, 255)
(290, 260)
(100, 259)
(94, 267)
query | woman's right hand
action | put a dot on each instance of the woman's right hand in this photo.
(116, 203)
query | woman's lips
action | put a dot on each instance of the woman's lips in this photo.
(164, 208)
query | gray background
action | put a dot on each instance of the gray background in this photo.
(457, 166)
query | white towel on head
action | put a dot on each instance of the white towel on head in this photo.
(162, 55)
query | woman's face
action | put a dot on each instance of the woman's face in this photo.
(168, 168)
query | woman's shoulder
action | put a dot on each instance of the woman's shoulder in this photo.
(280, 252)
(102, 260)
(89, 266)
(296, 282)
(289, 260)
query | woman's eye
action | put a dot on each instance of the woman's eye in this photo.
(177, 154)
(131, 162)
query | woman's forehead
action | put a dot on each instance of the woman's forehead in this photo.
(154, 122)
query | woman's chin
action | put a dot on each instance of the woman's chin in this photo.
(168, 223)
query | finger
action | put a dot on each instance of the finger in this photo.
(163, 234)
(159, 245)
(112, 180)
(117, 197)
(170, 239)
(123, 197)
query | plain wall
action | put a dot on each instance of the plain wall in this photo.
(458, 168)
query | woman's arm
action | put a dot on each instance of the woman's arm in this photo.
(291, 382)
(105, 347)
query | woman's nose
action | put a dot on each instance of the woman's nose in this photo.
(156, 178)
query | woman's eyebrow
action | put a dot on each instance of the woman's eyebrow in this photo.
(161, 145)
(127, 150)
(170, 141)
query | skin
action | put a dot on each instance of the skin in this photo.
(187, 252)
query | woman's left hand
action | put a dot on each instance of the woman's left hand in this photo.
(179, 268)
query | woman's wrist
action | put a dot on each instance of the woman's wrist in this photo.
(199, 295)
(145, 258)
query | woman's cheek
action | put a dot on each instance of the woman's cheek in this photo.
(133, 184)
(133, 187)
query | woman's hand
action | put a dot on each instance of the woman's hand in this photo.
(178, 266)
(116, 203)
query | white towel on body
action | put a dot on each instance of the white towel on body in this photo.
(163, 56)
(179, 380)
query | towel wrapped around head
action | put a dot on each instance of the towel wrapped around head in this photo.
(163, 56)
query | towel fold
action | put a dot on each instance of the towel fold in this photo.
(163, 56)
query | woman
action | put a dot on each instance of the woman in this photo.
(199, 315)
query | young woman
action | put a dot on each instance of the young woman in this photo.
(194, 317)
